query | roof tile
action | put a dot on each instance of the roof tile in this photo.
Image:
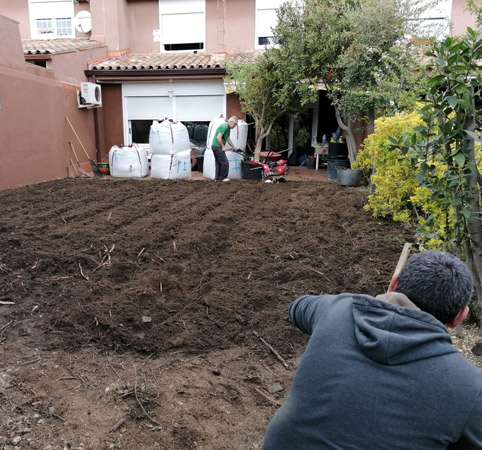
(166, 61)
(52, 46)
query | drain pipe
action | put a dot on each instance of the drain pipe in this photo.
(96, 131)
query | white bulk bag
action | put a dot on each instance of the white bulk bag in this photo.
(128, 162)
(239, 135)
(171, 167)
(160, 166)
(209, 165)
(168, 138)
(213, 126)
(181, 165)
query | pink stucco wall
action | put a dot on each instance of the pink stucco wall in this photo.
(143, 18)
(69, 67)
(34, 132)
(109, 22)
(18, 10)
(461, 19)
(238, 25)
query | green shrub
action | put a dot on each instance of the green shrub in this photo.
(398, 194)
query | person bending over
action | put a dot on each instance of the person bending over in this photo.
(219, 148)
(382, 373)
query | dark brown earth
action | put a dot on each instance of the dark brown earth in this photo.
(129, 308)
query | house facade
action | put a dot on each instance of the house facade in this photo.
(151, 58)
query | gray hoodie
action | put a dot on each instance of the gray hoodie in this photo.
(377, 373)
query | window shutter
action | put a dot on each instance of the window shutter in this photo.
(182, 28)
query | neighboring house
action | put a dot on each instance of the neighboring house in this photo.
(152, 58)
(161, 58)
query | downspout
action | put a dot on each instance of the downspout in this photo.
(96, 131)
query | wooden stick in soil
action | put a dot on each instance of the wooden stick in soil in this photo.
(5, 326)
(82, 273)
(275, 353)
(118, 424)
(267, 397)
(138, 401)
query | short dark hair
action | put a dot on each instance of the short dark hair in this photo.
(438, 283)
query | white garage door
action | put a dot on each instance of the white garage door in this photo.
(186, 101)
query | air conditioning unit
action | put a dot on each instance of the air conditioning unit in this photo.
(90, 95)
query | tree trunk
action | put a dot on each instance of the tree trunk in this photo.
(474, 242)
(259, 146)
(350, 137)
(262, 133)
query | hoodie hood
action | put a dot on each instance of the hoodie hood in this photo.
(392, 330)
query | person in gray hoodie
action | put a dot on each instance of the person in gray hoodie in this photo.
(382, 373)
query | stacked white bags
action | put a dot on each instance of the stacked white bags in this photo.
(239, 136)
(128, 162)
(171, 150)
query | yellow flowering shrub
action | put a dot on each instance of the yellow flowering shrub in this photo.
(397, 192)
(394, 174)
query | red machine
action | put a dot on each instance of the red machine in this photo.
(273, 170)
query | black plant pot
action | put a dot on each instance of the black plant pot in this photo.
(311, 163)
(337, 149)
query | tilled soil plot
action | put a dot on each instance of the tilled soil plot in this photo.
(139, 314)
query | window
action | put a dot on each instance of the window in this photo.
(266, 19)
(44, 26)
(435, 21)
(50, 19)
(64, 26)
(39, 62)
(182, 25)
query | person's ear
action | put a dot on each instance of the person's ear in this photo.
(458, 318)
(393, 283)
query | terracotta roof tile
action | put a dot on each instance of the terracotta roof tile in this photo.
(52, 46)
(180, 60)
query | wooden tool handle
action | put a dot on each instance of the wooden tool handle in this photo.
(75, 168)
(75, 154)
(402, 260)
(77, 136)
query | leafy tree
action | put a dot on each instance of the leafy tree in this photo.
(264, 91)
(476, 9)
(358, 49)
(447, 138)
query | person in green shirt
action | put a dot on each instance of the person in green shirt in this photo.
(219, 148)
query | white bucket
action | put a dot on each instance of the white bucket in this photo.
(168, 138)
(209, 165)
(128, 162)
